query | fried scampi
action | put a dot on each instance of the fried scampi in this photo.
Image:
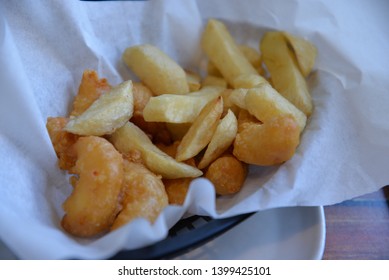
(62, 142)
(143, 194)
(90, 89)
(94, 202)
(270, 143)
(227, 174)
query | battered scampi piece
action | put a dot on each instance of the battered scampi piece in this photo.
(94, 202)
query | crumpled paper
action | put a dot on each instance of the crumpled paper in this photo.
(45, 47)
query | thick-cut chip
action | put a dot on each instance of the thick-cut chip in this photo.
(284, 71)
(156, 69)
(270, 143)
(201, 131)
(177, 108)
(305, 52)
(222, 139)
(144, 195)
(106, 114)
(130, 137)
(265, 103)
(94, 202)
(90, 89)
(227, 174)
(223, 51)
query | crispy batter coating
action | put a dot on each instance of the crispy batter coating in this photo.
(270, 143)
(62, 142)
(227, 173)
(144, 195)
(90, 89)
(177, 189)
(94, 202)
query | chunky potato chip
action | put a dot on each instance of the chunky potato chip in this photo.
(130, 137)
(106, 114)
(265, 103)
(284, 71)
(222, 139)
(201, 131)
(305, 52)
(177, 108)
(156, 69)
(223, 51)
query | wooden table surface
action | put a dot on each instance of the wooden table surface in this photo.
(358, 228)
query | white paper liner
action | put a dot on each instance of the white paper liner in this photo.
(45, 47)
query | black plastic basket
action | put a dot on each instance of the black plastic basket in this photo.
(186, 235)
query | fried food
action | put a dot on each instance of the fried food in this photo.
(227, 174)
(177, 189)
(222, 50)
(62, 141)
(109, 112)
(304, 51)
(141, 95)
(157, 131)
(201, 131)
(90, 89)
(156, 69)
(270, 143)
(284, 71)
(222, 139)
(179, 108)
(265, 103)
(144, 195)
(94, 202)
(130, 137)
(148, 140)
